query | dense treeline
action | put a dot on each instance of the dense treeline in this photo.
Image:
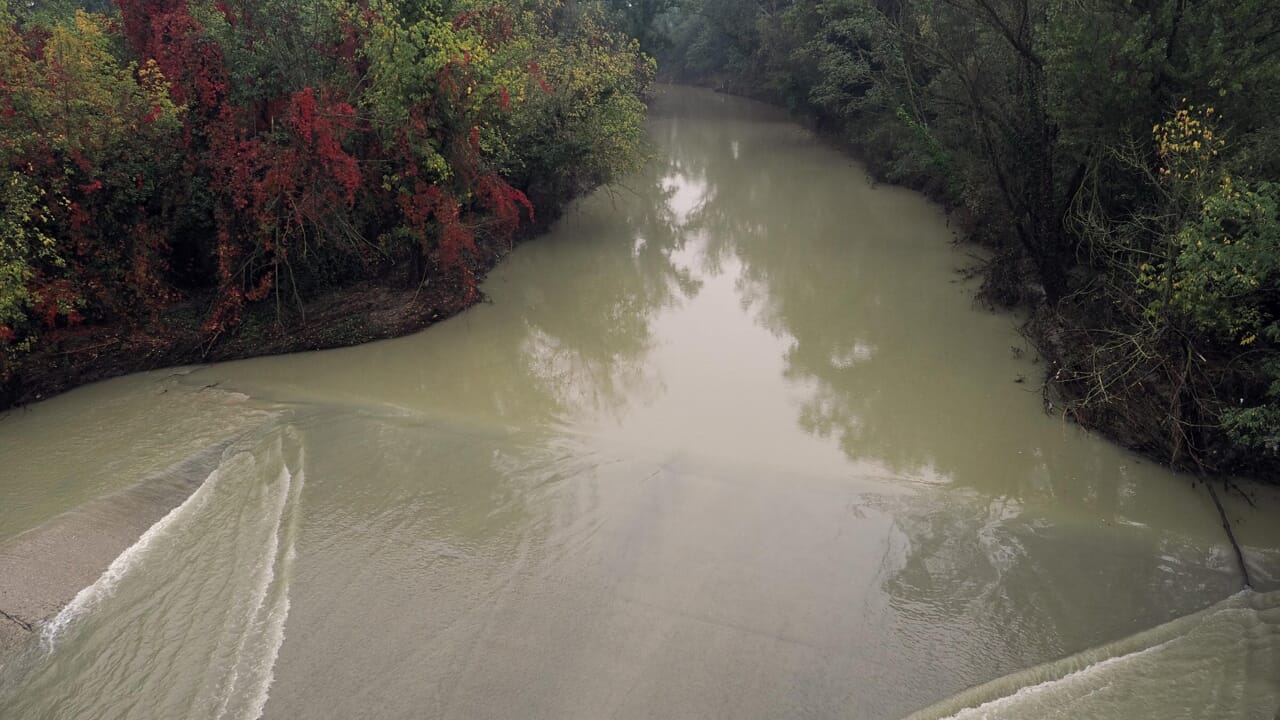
(232, 152)
(1121, 156)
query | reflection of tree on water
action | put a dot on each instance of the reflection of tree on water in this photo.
(600, 279)
(458, 503)
(822, 264)
(976, 569)
(567, 331)
(973, 554)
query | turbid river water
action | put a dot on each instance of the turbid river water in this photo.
(732, 441)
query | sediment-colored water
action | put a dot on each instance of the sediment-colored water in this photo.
(730, 441)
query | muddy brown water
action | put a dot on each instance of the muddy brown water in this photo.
(732, 441)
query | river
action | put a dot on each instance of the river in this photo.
(731, 441)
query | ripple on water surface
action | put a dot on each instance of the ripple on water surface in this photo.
(732, 441)
(187, 621)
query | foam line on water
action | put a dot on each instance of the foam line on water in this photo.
(253, 668)
(262, 586)
(104, 587)
(1028, 688)
(1028, 691)
(275, 635)
(276, 620)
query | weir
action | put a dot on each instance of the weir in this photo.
(85, 541)
(1221, 662)
(218, 563)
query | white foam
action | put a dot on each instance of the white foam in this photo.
(265, 625)
(105, 586)
(1025, 693)
(275, 634)
(1201, 665)
(266, 576)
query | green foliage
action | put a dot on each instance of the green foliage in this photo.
(1078, 136)
(641, 19)
(255, 150)
(80, 122)
(1228, 261)
(1257, 428)
(940, 158)
(22, 246)
(584, 115)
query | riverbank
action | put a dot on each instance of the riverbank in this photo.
(1159, 412)
(705, 451)
(218, 217)
(368, 310)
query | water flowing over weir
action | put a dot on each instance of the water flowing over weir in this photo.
(218, 565)
(1221, 662)
(730, 441)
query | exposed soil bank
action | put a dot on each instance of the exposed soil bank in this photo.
(362, 312)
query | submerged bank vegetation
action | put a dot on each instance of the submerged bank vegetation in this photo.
(170, 165)
(1121, 158)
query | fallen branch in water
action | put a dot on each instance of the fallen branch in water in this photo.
(1226, 525)
(21, 623)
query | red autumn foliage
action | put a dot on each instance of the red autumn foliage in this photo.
(164, 30)
(148, 266)
(54, 299)
(503, 201)
(494, 23)
(263, 173)
(322, 128)
(536, 71)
